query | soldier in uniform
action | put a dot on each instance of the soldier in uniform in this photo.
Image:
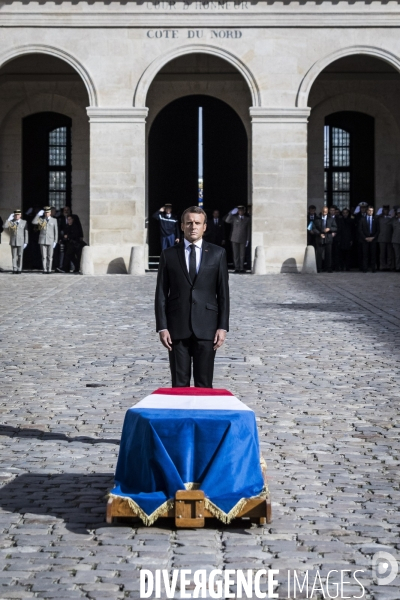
(18, 239)
(48, 236)
(240, 235)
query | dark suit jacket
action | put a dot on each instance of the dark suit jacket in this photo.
(319, 227)
(364, 228)
(215, 234)
(62, 225)
(185, 309)
(345, 233)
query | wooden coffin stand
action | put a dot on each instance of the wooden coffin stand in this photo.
(189, 510)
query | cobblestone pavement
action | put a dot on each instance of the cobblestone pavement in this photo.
(317, 357)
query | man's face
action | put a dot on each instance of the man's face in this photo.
(240, 212)
(345, 213)
(385, 211)
(216, 214)
(47, 214)
(66, 211)
(363, 209)
(17, 216)
(325, 211)
(311, 211)
(370, 212)
(332, 211)
(168, 210)
(193, 227)
(70, 220)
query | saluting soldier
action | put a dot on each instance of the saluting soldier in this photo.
(18, 238)
(48, 236)
(240, 235)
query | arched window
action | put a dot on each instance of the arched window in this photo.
(337, 163)
(349, 159)
(47, 166)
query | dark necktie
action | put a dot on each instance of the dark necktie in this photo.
(192, 263)
(370, 224)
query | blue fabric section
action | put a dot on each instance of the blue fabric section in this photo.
(162, 449)
(167, 241)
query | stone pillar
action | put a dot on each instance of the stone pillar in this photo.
(117, 185)
(279, 157)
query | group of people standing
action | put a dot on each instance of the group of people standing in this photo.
(362, 239)
(59, 236)
(235, 227)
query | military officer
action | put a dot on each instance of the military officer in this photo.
(18, 238)
(48, 236)
(240, 235)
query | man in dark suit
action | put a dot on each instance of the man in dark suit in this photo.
(369, 232)
(192, 302)
(323, 228)
(215, 233)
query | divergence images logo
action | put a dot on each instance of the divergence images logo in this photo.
(384, 568)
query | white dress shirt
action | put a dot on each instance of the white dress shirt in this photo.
(199, 250)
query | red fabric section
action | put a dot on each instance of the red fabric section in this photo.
(192, 391)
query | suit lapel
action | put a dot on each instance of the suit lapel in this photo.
(205, 257)
(181, 256)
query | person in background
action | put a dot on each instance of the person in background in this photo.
(345, 237)
(385, 239)
(169, 226)
(396, 239)
(334, 213)
(240, 235)
(324, 226)
(72, 246)
(359, 214)
(48, 236)
(311, 216)
(369, 232)
(215, 232)
(18, 229)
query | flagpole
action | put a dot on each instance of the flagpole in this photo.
(200, 158)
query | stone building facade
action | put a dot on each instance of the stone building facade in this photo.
(283, 67)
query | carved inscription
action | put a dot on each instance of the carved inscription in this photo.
(173, 34)
(187, 5)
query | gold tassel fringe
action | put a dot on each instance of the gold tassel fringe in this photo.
(147, 519)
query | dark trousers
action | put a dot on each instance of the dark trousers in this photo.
(335, 254)
(324, 257)
(167, 241)
(71, 254)
(385, 255)
(345, 259)
(369, 251)
(180, 362)
(238, 255)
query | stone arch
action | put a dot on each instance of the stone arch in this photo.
(11, 149)
(387, 144)
(320, 65)
(18, 51)
(149, 74)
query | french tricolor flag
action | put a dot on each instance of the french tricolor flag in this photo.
(189, 438)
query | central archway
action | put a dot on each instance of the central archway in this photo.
(173, 159)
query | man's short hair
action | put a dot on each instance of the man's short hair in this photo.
(194, 209)
(373, 208)
(312, 206)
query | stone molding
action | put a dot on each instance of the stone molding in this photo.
(18, 51)
(264, 114)
(320, 65)
(149, 74)
(117, 115)
(132, 19)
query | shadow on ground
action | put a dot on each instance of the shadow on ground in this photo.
(27, 432)
(79, 499)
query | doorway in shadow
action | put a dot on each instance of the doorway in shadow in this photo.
(173, 159)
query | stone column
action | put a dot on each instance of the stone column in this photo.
(279, 157)
(117, 185)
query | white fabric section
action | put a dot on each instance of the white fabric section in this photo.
(199, 250)
(192, 402)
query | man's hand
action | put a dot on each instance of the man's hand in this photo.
(177, 241)
(369, 239)
(25, 245)
(40, 213)
(323, 236)
(165, 339)
(162, 209)
(54, 245)
(333, 234)
(10, 218)
(219, 338)
(326, 230)
(234, 211)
